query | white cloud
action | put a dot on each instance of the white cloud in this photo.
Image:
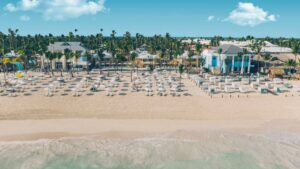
(247, 14)
(25, 18)
(10, 7)
(272, 18)
(29, 4)
(210, 18)
(59, 9)
(66, 9)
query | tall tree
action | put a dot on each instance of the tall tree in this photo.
(295, 50)
(88, 56)
(220, 51)
(257, 46)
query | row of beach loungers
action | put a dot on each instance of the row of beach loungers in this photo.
(164, 82)
(253, 84)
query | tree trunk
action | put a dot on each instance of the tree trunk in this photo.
(4, 71)
(242, 68)
(76, 63)
(64, 66)
(232, 66)
(249, 65)
(87, 67)
(220, 63)
(42, 63)
(131, 75)
(258, 65)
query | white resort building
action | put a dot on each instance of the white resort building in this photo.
(229, 60)
(72, 46)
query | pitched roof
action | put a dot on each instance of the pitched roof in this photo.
(276, 49)
(61, 46)
(10, 54)
(228, 49)
(146, 55)
(107, 55)
(185, 55)
(285, 56)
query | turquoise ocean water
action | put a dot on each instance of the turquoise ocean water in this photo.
(205, 151)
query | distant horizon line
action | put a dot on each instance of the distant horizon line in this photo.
(161, 34)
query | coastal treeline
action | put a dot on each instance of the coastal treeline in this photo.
(122, 46)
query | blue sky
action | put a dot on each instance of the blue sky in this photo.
(236, 18)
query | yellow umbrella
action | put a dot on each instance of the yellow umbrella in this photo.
(19, 75)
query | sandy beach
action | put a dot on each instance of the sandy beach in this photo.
(38, 117)
(99, 131)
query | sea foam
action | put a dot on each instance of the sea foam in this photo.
(189, 151)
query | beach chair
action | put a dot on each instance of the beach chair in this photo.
(244, 89)
(212, 89)
(229, 89)
(245, 81)
(263, 90)
(254, 85)
(287, 85)
(277, 81)
(94, 88)
(269, 85)
(205, 86)
(48, 92)
(11, 92)
(228, 80)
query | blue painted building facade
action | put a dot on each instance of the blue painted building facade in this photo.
(227, 59)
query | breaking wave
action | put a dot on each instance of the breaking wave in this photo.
(172, 151)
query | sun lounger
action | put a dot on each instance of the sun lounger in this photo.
(229, 89)
(48, 92)
(254, 85)
(212, 89)
(277, 81)
(288, 85)
(244, 89)
(263, 90)
(245, 81)
(269, 85)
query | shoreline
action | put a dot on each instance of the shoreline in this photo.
(29, 130)
(38, 117)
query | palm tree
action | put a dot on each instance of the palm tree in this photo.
(77, 55)
(245, 52)
(68, 55)
(75, 32)
(220, 50)
(88, 58)
(199, 51)
(71, 36)
(5, 62)
(202, 62)
(181, 70)
(296, 48)
(101, 36)
(257, 47)
(11, 35)
(26, 56)
(227, 62)
(58, 55)
(266, 58)
(101, 55)
(291, 63)
(190, 57)
(50, 56)
(112, 45)
(240, 57)
(133, 55)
